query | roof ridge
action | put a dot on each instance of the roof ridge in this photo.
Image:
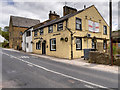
(24, 17)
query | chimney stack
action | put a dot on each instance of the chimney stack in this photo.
(68, 10)
(53, 15)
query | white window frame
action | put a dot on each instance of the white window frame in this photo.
(104, 29)
(52, 44)
(80, 43)
(41, 31)
(50, 29)
(80, 24)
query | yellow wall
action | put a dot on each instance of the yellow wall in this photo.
(95, 16)
(63, 49)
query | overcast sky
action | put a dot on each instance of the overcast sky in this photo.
(39, 10)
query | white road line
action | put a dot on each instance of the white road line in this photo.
(30, 65)
(88, 86)
(65, 75)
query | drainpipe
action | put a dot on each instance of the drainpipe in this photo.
(71, 41)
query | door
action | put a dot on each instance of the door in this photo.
(43, 48)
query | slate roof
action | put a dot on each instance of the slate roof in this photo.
(60, 19)
(23, 22)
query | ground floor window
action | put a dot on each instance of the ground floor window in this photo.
(27, 45)
(93, 44)
(78, 43)
(38, 45)
(53, 44)
(104, 44)
(118, 44)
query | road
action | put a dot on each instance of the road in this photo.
(21, 70)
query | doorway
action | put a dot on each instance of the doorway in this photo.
(43, 48)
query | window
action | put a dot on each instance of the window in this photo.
(53, 44)
(35, 33)
(28, 33)
(104, 44)
(93, 44)
(38, 45)
(41, 31)
(105, 30)
(78, 43)
(27, 45)
(78, 24)
(21, 33)
(50, 29)
(60, 26)
(118, 44)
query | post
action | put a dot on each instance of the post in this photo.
(71, 46)
(110, 21)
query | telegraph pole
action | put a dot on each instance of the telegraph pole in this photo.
(110, 22)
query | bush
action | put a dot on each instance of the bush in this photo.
(117, 62)
(5, 44)
(118, 50)
(114, 50)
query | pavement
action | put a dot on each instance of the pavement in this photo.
(83, 63)
(23, 70)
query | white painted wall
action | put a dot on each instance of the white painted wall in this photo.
(23, 43)
(28, 40)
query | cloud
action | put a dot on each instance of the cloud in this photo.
(40, 10)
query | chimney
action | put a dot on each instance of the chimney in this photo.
(68, 10)
(84, 6)
(53, 15)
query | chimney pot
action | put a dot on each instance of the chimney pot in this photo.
(54, 12)
(50, 11)
(84, 6)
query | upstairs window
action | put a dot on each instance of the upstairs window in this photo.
(60, 26)
(28, 33)
(78, 43)
(105, 30)
(35, 33)
(41, 31)
(53, 44)
(78, 24)
(50, 29)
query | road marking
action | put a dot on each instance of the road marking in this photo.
(24, 56)
(88, 86)
(65, 75)
(30, 65)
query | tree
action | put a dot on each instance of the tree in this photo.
(4, 34)
(6, 29)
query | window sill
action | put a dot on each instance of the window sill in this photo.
(52, 50)
(78, 49)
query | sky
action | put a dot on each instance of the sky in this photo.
(39, 9)
(1, 39)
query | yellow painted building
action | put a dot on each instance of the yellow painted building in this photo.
(68, 36)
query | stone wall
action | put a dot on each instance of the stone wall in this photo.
(102, 58)
(99, 57)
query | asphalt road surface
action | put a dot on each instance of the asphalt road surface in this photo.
(21, 70)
